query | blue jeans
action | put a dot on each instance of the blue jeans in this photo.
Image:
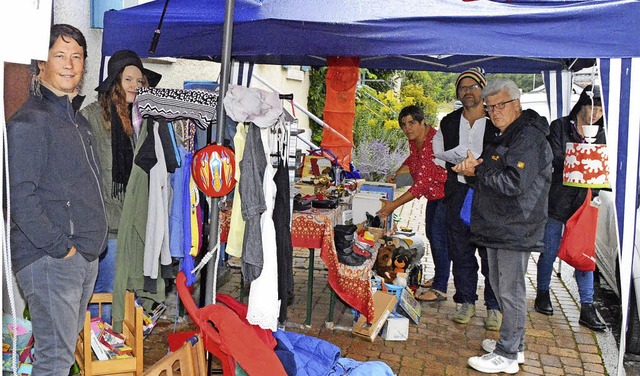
(463, 255)
(104, 282)
(507, 271)
(436, 230)
(552, 238)
(57, 291)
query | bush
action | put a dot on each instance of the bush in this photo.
(376, 160)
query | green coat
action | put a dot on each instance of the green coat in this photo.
(113, 205)
(131, 236)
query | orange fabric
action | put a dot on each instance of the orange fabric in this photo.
(239, 340)
(227, 337)
(578, 245)
(340, 107)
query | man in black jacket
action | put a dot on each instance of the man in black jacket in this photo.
(465, 129)
(58, 222)
(508, 213)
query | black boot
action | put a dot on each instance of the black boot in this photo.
(590, 319)
(543, 303)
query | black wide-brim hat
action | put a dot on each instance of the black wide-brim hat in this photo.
(121, 60)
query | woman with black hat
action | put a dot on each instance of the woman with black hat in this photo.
(565, 200)
(111, 123)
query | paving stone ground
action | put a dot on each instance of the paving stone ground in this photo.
(555, 345)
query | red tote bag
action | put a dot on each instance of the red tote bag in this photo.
(578, 245)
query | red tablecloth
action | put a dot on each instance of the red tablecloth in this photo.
(314, 229)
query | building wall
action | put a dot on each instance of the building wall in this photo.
(175, 71)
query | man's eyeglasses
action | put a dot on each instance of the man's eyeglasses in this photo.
(497, 106)
(464, 89)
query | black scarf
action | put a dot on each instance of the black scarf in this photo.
(121, 155)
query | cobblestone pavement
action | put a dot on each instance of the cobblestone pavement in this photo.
(555, 345)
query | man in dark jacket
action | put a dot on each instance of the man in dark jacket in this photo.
(508, 213)
(466, 128)
(565, 200)
(58, 222)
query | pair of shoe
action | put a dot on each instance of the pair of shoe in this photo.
(494, 320)
(431, 295)
(465, 313)
(489, 345)
(543, 303)
(589, 318)
(427, 284)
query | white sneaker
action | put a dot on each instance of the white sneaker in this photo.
(493, 363)
(489, 345)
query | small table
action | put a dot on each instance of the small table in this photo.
(314, 229)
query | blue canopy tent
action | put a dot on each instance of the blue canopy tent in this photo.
(443, 35)
(514, 36)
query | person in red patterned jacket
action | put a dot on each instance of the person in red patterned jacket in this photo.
(428, 182)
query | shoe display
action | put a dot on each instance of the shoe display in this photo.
(465, 313)
(493, 363)
(589, 318)
(543, 303)
(489, 345)
(494, 320)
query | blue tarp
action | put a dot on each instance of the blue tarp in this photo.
(443, 35)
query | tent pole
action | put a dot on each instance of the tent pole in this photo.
(225, 73)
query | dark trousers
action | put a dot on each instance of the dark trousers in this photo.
(463, 255)
(436, 229)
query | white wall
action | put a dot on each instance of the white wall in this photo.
(77, 13)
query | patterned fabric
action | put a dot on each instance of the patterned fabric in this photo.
(428, 177)
(198, 105)
(314, 229)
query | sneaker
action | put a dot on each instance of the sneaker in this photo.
(494, 320)
(493, 363)
(489, 345)
(465, 313)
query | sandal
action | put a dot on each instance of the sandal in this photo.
(431, 295)
(427, 284)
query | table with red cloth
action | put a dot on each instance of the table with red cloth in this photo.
(313, 229)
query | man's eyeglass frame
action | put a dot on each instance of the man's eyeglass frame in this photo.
(464, 89)
(498, 106)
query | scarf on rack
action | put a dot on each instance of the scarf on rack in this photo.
(121, 155)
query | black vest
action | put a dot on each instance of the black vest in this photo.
(450, 128)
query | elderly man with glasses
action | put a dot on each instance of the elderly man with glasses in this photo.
(509, 213)
(466, 128)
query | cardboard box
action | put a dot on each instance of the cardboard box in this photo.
(383, 304)
(396, 328)
(410, 306)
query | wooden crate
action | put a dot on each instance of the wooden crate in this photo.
(132, 331)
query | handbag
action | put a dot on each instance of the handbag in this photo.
(578, 244)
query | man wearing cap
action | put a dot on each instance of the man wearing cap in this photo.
(58, 222)
(110, 119)
(564, 201)
(465, 129)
